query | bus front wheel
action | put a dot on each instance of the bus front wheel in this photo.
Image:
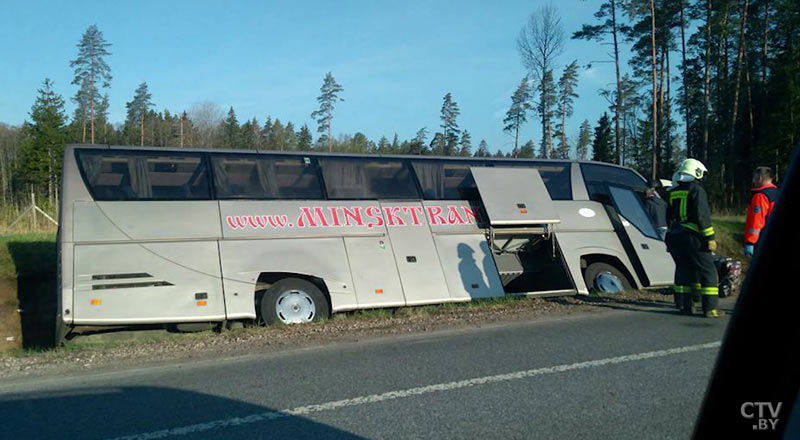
(293, 301)
(605, 278)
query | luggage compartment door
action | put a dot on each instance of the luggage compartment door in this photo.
(415, 254)
(514, 197)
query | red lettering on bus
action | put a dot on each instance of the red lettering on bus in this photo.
(306, 216)
(354, 214)
(374, 213)
(453, 217)
(435, 215)
(471, 215)
(334, 215)
(235, 222)
(414, 211)
(392, 219)
(277, 221)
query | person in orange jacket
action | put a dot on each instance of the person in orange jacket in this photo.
(761, 203)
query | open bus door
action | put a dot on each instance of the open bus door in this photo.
(521, 216)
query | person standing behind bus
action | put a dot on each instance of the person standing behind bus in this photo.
(764, 194)
(656, 208)
(690, 240)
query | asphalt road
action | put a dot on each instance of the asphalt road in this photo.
(620, 374)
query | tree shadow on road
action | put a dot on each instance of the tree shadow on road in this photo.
(129, 411)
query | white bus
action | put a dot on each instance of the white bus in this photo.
(166, 236)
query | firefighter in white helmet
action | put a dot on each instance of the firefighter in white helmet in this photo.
(690, 240)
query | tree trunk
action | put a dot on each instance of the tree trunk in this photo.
(516, 138)
(739, 55)
(549, 140)
(330, 140)
(181, 131)
(83, 140)
(707, 82)
(687, 111)
(660, 154)
(668, 115)
(618, 104)
(564, 132)
(655, 97)
(142, 131)
(764, 49)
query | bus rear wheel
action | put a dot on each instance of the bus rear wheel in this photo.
(293, 301)
(605, 278)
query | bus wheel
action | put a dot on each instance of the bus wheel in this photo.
(293, 301)
(605, 278)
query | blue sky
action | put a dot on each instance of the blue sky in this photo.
(395, 60)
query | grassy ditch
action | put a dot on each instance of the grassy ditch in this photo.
(27, 289)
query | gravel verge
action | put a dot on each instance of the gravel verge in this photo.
(160, 347)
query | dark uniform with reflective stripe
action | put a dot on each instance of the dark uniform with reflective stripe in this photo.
(687, 239)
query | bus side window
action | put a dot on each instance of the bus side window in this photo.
(367, 179)
(250, 176)
(143, 176)
(444, 180)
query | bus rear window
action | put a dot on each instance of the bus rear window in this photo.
(355, 178)
(254, 177)
(144, 176)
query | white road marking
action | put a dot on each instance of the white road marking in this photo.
(392, 395)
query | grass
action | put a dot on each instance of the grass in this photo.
(27, 283)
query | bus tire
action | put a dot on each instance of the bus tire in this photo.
(293, 301)
(605, 278)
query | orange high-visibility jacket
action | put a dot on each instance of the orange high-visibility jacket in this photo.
(761, 205)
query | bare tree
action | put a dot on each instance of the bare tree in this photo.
(206, 117)
(539, 43)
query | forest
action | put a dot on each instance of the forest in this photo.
(717, 80)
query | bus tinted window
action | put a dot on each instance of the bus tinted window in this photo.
(144, 176)
(255, 177)
(555, 175)
(596, 173)
(354, 178)
(441, 180)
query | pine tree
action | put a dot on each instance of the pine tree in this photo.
(328, 97)
(91, 69)
(230, 132)
(277, 136)
(383, 145)
(417, 145)
(101, 117)
(566, 95)
(517, 114)
(304, 139)
(138, 109)
(40, 155)
(250, 134)
(437, 145)
(527, 151)
(290, 137)
(602, 145)
(483, 149)
(450, 130)
(584, 140)
(465, 149)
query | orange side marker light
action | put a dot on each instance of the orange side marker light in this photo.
(202, 303)
(95, 301)
(379, 291)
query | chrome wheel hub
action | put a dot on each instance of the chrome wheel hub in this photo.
(607, 282)
(295, 307)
